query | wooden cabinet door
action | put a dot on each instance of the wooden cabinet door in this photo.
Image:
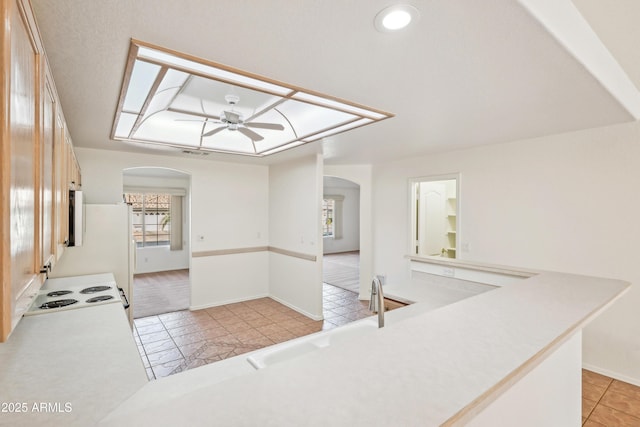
(21, 116)
(59, 177)
(47, 212)
(37, 165)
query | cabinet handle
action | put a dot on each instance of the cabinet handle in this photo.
(126, 301)
(46, 269)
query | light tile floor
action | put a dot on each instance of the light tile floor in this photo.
(609, 402)
(173, 342)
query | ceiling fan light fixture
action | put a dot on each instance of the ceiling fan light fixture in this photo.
(232, 99)
(174, 99)
(396, 17)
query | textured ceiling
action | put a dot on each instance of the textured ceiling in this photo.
(468, 73)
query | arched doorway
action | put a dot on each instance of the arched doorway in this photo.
(341, 233)
(159, 201)
(341, 301)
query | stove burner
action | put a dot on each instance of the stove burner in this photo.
(58, 303)
(100, 298)
(58, 293)
(94, 289)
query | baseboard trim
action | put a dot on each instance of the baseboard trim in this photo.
(612, 374)
(355, 251)
(230, 301)
(298, 309)
(235, 300)
(164, 270)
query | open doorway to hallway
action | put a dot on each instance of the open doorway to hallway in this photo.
(341, 234)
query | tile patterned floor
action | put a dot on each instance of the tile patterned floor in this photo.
(173, 342)
(608, 402)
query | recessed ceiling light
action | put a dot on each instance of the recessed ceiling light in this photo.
(394, 18)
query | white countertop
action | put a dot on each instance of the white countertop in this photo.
(434, 291)
(426, 369)
(80, 364)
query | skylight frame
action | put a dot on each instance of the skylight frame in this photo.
(168, 60)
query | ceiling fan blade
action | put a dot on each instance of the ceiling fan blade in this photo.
(272, 126)
(232, 117)
(196, 120)
(213, 132)
(250, 134)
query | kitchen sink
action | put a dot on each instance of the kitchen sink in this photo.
(347, 333)
(298, 347)
(281, 353)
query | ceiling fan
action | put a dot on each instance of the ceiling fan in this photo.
(233, 121)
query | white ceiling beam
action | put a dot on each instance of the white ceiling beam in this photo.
(567, 25)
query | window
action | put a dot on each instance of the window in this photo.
(328, 217)
(151, 218)
(332, 216)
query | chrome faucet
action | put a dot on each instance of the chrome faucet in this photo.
(376, 302)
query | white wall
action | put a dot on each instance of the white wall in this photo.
(159, 258)
(226, 279)
(564, 202)
(152, 259)
(350, 240)
(361, 175)
(295, 189)
(229, 209)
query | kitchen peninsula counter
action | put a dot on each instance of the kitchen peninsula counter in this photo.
(437, 367)
(69, 368)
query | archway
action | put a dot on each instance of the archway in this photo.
(341, 233)
(160, 224)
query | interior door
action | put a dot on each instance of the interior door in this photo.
(431, 222)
